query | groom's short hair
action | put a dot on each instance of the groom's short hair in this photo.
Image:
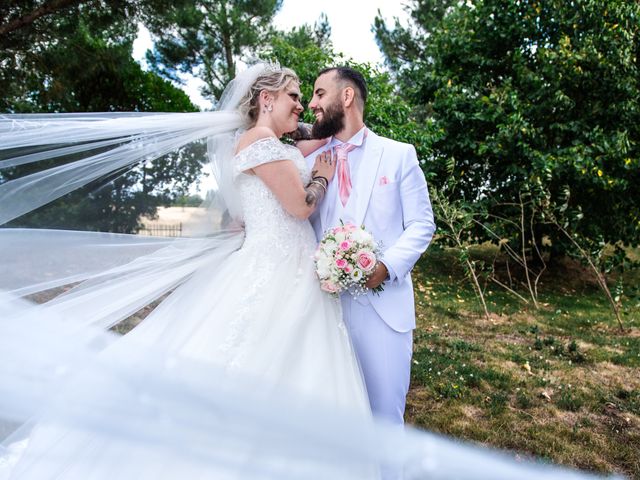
(353, 77)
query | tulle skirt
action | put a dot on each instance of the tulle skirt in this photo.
(251, 316)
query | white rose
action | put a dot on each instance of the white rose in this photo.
(356, 275)
(359, 236)
(323, 267)
(331, 248)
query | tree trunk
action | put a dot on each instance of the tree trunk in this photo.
(228, 45)
(46, 9)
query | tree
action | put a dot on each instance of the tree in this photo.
(19, 15)
(307, 51)
(403, 45)
(83, 63)
(206, 37)
(29, 29)
(532, 97)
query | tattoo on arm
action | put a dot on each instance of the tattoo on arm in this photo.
(315, 190)
(303, 132)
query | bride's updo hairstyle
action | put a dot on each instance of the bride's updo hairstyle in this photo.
(272, 80)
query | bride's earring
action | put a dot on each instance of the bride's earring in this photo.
(270, 108)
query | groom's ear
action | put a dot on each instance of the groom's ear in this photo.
(348, 96)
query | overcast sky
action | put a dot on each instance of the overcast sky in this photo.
(350, 22)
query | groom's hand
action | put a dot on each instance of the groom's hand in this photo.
(378, 276)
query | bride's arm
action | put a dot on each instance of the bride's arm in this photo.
(283, 179)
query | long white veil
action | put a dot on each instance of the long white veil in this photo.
(159, 406)
(114, 275)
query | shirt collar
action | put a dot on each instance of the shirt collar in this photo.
(356, 140)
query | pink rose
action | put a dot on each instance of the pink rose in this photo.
(341, 263)
(366, 261)
(328, 286)
(350, 227)
(345, 245)
(348, 269)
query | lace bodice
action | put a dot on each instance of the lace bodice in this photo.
(268, 225)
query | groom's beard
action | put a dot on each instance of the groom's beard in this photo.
(331, 123)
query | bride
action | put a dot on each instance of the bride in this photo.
(259, 311)
(244, 369)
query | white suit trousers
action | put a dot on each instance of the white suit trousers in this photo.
(384, 356)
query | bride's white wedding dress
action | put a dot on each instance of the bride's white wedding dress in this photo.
(259, 313)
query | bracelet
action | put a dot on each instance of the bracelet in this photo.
(324, 187)
(320, 177)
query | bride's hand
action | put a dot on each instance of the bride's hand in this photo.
(325, 165)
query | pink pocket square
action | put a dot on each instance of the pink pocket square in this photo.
(384, 180)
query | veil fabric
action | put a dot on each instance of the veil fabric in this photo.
(112, 275)
(160, 406)
(177, 410)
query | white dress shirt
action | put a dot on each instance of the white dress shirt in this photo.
(335, 211)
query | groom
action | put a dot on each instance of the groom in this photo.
(378, 184)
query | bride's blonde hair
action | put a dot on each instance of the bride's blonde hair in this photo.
(272, 80)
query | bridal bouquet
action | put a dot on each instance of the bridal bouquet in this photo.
(345, 258)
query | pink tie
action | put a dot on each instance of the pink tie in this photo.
(344, 175)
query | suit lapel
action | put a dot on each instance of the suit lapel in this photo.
(367, 174)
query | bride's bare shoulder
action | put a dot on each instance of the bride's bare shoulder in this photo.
(253, 135)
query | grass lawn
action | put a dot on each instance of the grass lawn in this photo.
(561, 383)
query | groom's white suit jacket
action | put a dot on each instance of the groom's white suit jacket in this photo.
(393, 204)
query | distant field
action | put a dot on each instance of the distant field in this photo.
(180, 222)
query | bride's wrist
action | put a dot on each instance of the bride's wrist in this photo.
(321, 179)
